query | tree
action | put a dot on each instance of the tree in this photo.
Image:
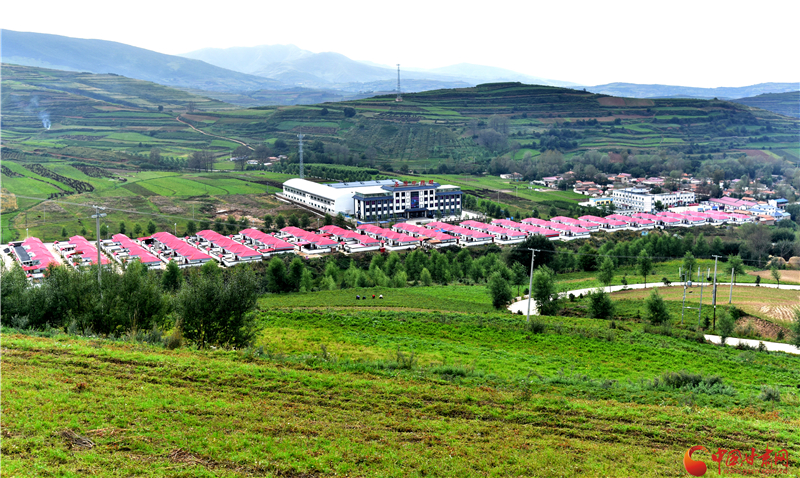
(172, 279)
(191, 228)
(552, 212)
(606, 272)
(545, 291)
(796, 329)
(328, 219)
(688, 264)
(522, 252)
(103, 231)
(137, 230)
(425, 277)
(296, 268)
(726, 325)
(716, 246)
(267, 222)
(241, 156)
(587, 258)
(657, 312)
(600, 305)
(276, 275)
(217, 310)
(701, 246)
(735, 265)
(151, 228)
(499, 289)
(340, 220)
(64, 232)
(776, 274)
(294, 221)
(645, 265)
(520, 275)
(304, 221)
(349, 112)
(155, 157)
(122, 227)
(280, 222)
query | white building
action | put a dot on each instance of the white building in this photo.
(640, 199)
(375, 200)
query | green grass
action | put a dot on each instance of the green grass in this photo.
(330, 395)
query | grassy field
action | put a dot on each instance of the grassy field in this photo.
(421, 386)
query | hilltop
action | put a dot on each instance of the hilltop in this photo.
(782, 103)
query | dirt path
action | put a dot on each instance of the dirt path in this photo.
(178, 118)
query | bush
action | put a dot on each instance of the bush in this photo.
(600, 305)
(770, 394)
(656, 309)
(535, 326)
(725, 325)
(694, 382)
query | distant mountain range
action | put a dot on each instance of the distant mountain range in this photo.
(100, 56)
(632, 90)
(292, 65)
(250, 76)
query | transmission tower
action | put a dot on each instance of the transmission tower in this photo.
(300, 150)
(399, 97)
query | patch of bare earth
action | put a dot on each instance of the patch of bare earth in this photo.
(166, 206)
(788, 276)
(764, 328)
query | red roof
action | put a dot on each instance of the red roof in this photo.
(86, 250)
(134, 249)
(271, 241)
(228, 244)
(180, 247)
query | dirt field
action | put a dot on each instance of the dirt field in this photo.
(786, 276)
(771, 304)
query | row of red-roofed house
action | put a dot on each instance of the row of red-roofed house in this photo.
(32, 255)
(79, 252)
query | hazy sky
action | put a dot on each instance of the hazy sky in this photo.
(689, 43)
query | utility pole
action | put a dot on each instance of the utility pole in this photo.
(300, 152)
(730, 294)
(97, 215)
(530, 284)
(714, 296)
(700, 309)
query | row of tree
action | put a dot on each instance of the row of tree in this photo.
(210, 306)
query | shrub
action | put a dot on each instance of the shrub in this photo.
(535, 326)
(174, 340)
(656, 309)
(600, 305)
(770, 394)
(725, 325)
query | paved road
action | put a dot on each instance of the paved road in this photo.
(522, 306)
(771, 346)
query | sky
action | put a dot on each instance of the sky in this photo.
(697, 43)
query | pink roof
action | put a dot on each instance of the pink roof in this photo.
(388, 233)
(458, 230)
(180, 247)
(536, 222)
(38, 252)
(268, 240)
(309, 237)
(228, 244)
(595, 219)
(134, 249)
(630, 220)
(86, 250)
(441, 236)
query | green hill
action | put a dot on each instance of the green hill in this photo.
(787, 104)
